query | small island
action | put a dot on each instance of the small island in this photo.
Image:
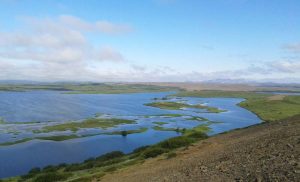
(179, 106)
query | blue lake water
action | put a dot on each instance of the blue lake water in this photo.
(45, 106)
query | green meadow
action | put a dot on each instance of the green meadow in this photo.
(267, 106)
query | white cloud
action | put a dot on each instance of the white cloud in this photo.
(58, 49)
(64, 23)
(286, 66)
(55, 49)
(295, 48)
(108, 53)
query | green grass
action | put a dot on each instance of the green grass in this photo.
(159, 122)
(197, 118)
(89, 88)
(128, 132)
(165, 115)
(260, 104)
(15, 142)
(88, 123)
(171, 115)
(178, 106)
(69, 137)
(203, 128)
(168, 105)
(52, 138)
(159, 128)
(59, 137)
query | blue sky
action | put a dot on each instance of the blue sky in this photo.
(150, 40)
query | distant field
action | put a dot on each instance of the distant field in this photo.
(267, 106)
(192, 86)
(89, 88)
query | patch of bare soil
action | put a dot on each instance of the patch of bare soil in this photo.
(266, 152)
(276, 97)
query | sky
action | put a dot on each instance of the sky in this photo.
(150, 40)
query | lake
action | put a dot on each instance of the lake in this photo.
(24, 112)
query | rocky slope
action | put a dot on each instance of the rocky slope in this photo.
(266, 152)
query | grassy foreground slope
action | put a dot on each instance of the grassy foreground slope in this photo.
(267, 106)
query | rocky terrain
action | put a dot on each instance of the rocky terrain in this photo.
(265, 152)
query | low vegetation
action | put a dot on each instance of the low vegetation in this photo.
(88, 123)
(88, 88)
(259, 103)
(128, 132)
(97, 167)
(178, 106)
(69, 137)
(159, 122)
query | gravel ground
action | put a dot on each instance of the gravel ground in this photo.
(266, 152)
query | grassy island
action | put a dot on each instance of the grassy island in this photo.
(178, 106)
(88, 123)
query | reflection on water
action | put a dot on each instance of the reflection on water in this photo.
(47, 106)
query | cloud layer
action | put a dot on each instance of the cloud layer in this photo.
(57, 49)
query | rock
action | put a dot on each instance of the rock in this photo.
(291, 146)
(203, 169)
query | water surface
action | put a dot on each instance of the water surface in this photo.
(45, 106)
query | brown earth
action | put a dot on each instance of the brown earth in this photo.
(276, 97)
(265, 152)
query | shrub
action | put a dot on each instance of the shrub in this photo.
(176, 142)
(88, 178)
(109, 162)
(73, 167)
(62, 165)
(51, 177)
(111, 155)
(153, 152)
(90, 159)
(197, 135)
(124, 133)
(34, 170)
(110, 169)
(140, 149)
(49, 168)
(171, 155)
(26, 176)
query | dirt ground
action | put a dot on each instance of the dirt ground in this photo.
(266, 152)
